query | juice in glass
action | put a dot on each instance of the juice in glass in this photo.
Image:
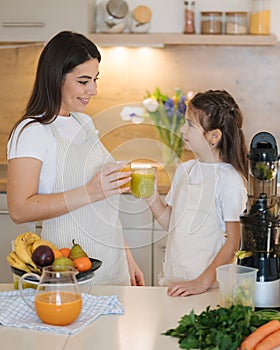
(142, 182)
(58, 308)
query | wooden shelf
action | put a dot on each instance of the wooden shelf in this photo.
(164, 39)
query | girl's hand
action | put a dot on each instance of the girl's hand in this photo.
(107, 182)
(184, 289)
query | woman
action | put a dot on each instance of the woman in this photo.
(57, 169)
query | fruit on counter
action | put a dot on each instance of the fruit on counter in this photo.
(65, 252)
(22, 247)
(61, 263)
(43, 256)
(82, 264)
(31, 253)
(76, 251)
(16, 262)
(40, 242)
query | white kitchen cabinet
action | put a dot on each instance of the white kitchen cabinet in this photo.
(159, 245)
(8, 232)
(33, 20)
(137, 223)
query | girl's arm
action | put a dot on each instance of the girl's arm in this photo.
(161, 211)
(26, 205)
(225, 256)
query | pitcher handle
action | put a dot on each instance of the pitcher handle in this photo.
(21, 289)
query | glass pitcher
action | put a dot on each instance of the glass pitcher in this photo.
(58, 300)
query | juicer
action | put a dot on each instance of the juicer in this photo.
(260, 241)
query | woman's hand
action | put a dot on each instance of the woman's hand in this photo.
(107, 182)
(136, 275)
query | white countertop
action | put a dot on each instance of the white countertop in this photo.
(148, 313)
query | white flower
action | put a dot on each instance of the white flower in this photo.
(133, 114)
(151, 104)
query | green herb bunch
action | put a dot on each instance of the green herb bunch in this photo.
(221, 328)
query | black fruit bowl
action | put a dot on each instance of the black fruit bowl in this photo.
(81, 276)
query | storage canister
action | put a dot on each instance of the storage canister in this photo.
(189, 17)
(236, 23)
(211, 22)
(140, 19)
(260, 17)
(112, 16)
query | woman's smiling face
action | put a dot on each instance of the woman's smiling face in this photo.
(78, 87)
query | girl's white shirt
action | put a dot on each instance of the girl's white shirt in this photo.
(37, 141)
(230, 192)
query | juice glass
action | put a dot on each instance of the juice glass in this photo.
(142, 181)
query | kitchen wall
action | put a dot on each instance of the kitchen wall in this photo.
(251, 74)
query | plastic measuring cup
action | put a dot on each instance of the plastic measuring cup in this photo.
(237, 285)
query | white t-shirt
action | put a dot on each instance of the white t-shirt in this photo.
(37, 141)
(230, 194)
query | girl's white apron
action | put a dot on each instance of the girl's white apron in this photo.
(195, 236)
(96, 227)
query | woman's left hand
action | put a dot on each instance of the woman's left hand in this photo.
(136, 275)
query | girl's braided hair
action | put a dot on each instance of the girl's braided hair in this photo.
(216, 109)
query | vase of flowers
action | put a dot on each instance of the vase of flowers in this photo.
(168, 116)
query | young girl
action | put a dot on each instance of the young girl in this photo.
(207, 196)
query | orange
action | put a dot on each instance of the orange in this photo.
(82, 264)
(65, 252)
(57, 253)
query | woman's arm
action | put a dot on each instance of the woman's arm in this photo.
(208, 277)
(26, 205)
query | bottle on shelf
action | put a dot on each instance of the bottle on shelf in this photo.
(260, 17)
(189, 17)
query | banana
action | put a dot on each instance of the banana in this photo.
(15, 261)
(21, 246)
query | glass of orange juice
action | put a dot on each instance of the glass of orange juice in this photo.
(58, 300)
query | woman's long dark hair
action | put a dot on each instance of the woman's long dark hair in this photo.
(216, 109)
(60, 56)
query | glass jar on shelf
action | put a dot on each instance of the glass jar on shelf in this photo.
(260, 17)
(211, 22)
(112, 16)
(189, 17)
(140, 20)
(236, 23)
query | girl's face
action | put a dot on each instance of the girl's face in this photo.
(195, 138)
(78, 87)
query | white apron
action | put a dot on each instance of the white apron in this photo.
(96, 227)
(195, 236)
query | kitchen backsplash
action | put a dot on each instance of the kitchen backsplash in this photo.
(251, 74)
